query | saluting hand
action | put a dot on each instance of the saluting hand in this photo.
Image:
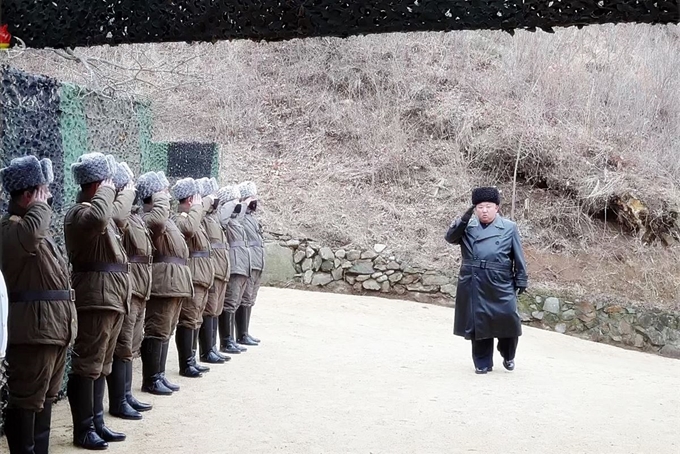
(130, 185)
(41, 195)
(108, 183)
(196, 200)
(468, 214)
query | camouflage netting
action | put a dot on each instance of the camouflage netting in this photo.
(42, 116)
(44, 23)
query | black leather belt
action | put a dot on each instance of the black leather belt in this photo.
(199, 254)
(169, 259)
(148, 259)
(42, 295)
(490, 265)
(101, 267)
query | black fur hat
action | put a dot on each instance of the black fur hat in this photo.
(481, 195)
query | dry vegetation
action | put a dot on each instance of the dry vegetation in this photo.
(381, 138)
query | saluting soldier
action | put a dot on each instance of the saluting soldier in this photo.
(189, 217)
(240, 266)
(170, 283)
(137, 243)
(255, 236)
(102, 288)
(42, 314)
(220, 256)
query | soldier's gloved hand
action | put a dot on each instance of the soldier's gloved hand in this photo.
(521, 290)
(467, 215)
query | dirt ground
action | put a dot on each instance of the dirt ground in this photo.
(344, 374)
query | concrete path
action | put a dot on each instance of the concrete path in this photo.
(343, 374)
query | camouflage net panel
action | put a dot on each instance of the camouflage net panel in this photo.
(60, 121)
(44, 23)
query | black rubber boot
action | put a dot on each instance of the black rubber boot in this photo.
(20, 431)
(194, 350)
(242, 327)
(104, 432)
(132, 400)
(215, 323)
(227, 325)
(43, 425)
(152, 380)
(208, 355)
(80, 393)
(249, 311)
(118, 404)
(184, 337)
(164, 359)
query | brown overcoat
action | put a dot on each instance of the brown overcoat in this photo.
(170, 280)
(31, 261)
(92, 238)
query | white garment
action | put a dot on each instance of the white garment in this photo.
(4, 309)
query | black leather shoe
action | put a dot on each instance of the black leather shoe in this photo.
(184, 338)
(132, 400)
(152, 379)
(104, 432)
(116, 382)
(80, 393)
(164, 358)
(206, 343)
(481, 371)
(509, 365)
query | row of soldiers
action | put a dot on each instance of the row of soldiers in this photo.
(139, 271)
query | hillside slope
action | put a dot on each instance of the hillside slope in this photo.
(381, 138)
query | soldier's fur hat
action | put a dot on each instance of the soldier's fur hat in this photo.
(208, 186)
(26, 172)
(228, 193)
(163, 179)
(248, 189)
(184, 188)
(122, 176)
(149, 184)
(486, 194)
(48, 173)
(91, 167)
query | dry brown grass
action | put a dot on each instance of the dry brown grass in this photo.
(381, 138)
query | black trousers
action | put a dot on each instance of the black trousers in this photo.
(482, 350)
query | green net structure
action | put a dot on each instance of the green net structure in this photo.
(42, 116)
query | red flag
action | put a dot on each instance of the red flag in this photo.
(4, 37)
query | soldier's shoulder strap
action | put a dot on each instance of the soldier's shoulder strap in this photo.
(15, 218)
(87, 204)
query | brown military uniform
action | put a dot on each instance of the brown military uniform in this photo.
(171, 276)
(42, 315)
(240, 263)
(137, 244)
(255, 237)
(100, 279)
(189, 222)
(220, 255)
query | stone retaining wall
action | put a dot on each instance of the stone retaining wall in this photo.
(367, 271)
(304, 263)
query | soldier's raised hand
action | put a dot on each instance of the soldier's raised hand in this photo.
(196, 199)
(108, 183)
(41, 195)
